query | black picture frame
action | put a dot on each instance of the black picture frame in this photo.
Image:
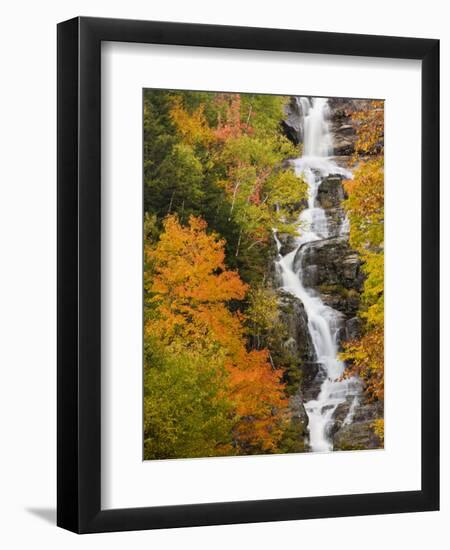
(79, 280)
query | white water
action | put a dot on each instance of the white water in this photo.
(323, 321)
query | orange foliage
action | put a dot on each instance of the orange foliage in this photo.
(189, 288)
(370, 129)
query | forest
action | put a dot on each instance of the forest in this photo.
(219, 377)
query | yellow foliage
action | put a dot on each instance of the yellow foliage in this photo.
(193, 127)
(365, 209)
(370, 128)
(365, 205)
(378, 428)
(366, 359)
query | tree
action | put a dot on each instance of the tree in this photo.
(185, 412)
(188, 292)
(369, 125)
(365, 209)
(242, 189)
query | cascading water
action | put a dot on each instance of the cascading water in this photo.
(323, 321)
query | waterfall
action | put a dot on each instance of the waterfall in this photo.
(323, 322)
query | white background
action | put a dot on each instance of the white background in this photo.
(28, 244)
(127, 481)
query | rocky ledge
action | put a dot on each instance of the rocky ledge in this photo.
(359, 433)
(329, 262)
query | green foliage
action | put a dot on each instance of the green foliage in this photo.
(159, 138)
(293, 440)
(220, 156)
(185, 413)
(187, 289)
(264, 112)
(262, 315)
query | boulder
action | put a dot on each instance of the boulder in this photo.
(350, 267)
(329, 262)
(343, 146)
(292, 123)
(343, 300)
(353, 328)
(298, 410)
(331, 193)
(359, 433)
(294, 318)
(312, 385)
(287, 242)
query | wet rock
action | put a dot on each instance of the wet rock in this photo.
(346, 130)
(343, 300)
(353, 328)
(356, 432)
(330, 196)
(356, 436)
(331, 193)
(295, 437)
(310, 372)
(287, 242)
(294, 318)
(298, 410)
(350, 267)
(335, 221)
(329, 262)
(292, 125)
(310, 276)
(342, 126)
(343, 145)
(311, 388)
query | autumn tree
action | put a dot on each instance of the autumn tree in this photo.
(369, 125)
(365, 209)
(188, 296)
(247, 190)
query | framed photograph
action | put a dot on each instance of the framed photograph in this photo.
(248, 255)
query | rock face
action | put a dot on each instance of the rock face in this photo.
(287, 243)
(329, 262)
(357, 434)
(298, 347)
(330, 197)
(342, 128)
(296, 436)
(295, 321)
(292, 122)
(333, 270)
(330, 266)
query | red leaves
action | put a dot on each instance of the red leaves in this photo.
(229, 125)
